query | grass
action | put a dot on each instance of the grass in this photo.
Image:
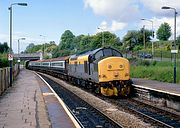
(161, 71)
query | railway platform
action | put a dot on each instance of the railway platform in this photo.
(160, 93)
(30, 103)
(169, 88)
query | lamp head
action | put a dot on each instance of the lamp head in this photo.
(22, 4)
(23, 38)
(165, 7)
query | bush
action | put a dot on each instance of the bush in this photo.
(144, 62)
(137, 48)
(3, 63)
(154, 63)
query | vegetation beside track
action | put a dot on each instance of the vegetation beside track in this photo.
(154, 70)
(3, 60)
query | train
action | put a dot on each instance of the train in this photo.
(103, 70)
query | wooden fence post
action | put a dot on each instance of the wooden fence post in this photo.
(3, 81)
(6, 79)
(8, 76)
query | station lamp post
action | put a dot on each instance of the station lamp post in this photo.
(152, 35)
(43, 45)
(19, 51)
(10, 52)
(173, 51)
(102, 31)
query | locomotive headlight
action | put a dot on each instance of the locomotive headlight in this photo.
(109, 66)
(120, 66)
(126, 74)
(104, 76)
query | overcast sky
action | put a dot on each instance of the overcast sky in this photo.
(51, 18)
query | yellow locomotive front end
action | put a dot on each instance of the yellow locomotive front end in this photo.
(114, 76)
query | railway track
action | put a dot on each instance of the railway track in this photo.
(86, 115)
(167, 118)
(150, 114)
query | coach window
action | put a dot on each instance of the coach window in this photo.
(98, 54)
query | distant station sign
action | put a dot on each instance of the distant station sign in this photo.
(10, 57)
(174, 51)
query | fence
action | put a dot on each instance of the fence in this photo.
(158, 55)
(5, 77)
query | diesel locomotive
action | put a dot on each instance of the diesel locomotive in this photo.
(103, 70)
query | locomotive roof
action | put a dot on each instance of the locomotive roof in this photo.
(89, 53)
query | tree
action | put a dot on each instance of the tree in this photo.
(31, 48)
(4, 47)
(130, 39)
(31, 45)
(110, 39)
(71, 44)
(164, 32)
(134, 37)
(67, 40)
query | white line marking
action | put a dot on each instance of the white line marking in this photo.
(47, 94)
(171, 93)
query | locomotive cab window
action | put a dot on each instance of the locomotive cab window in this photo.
(107, 52)
(98, 54)
(116, 53)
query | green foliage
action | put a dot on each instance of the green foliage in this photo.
(67, 41)
(30, 46)
(83, 43)
(140, 62)
(35, 48)
(161, 71)
(46, 47)
(154, 63)
(134, 38)
(4, 47)
(57, 52)
(3, 60)
(164, 32)
(3, 63)
(144, 62)
(138, 47)
(178, 42)
(71, 44)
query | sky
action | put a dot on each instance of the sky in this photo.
(50, 18)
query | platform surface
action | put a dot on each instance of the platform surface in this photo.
(26, 105)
